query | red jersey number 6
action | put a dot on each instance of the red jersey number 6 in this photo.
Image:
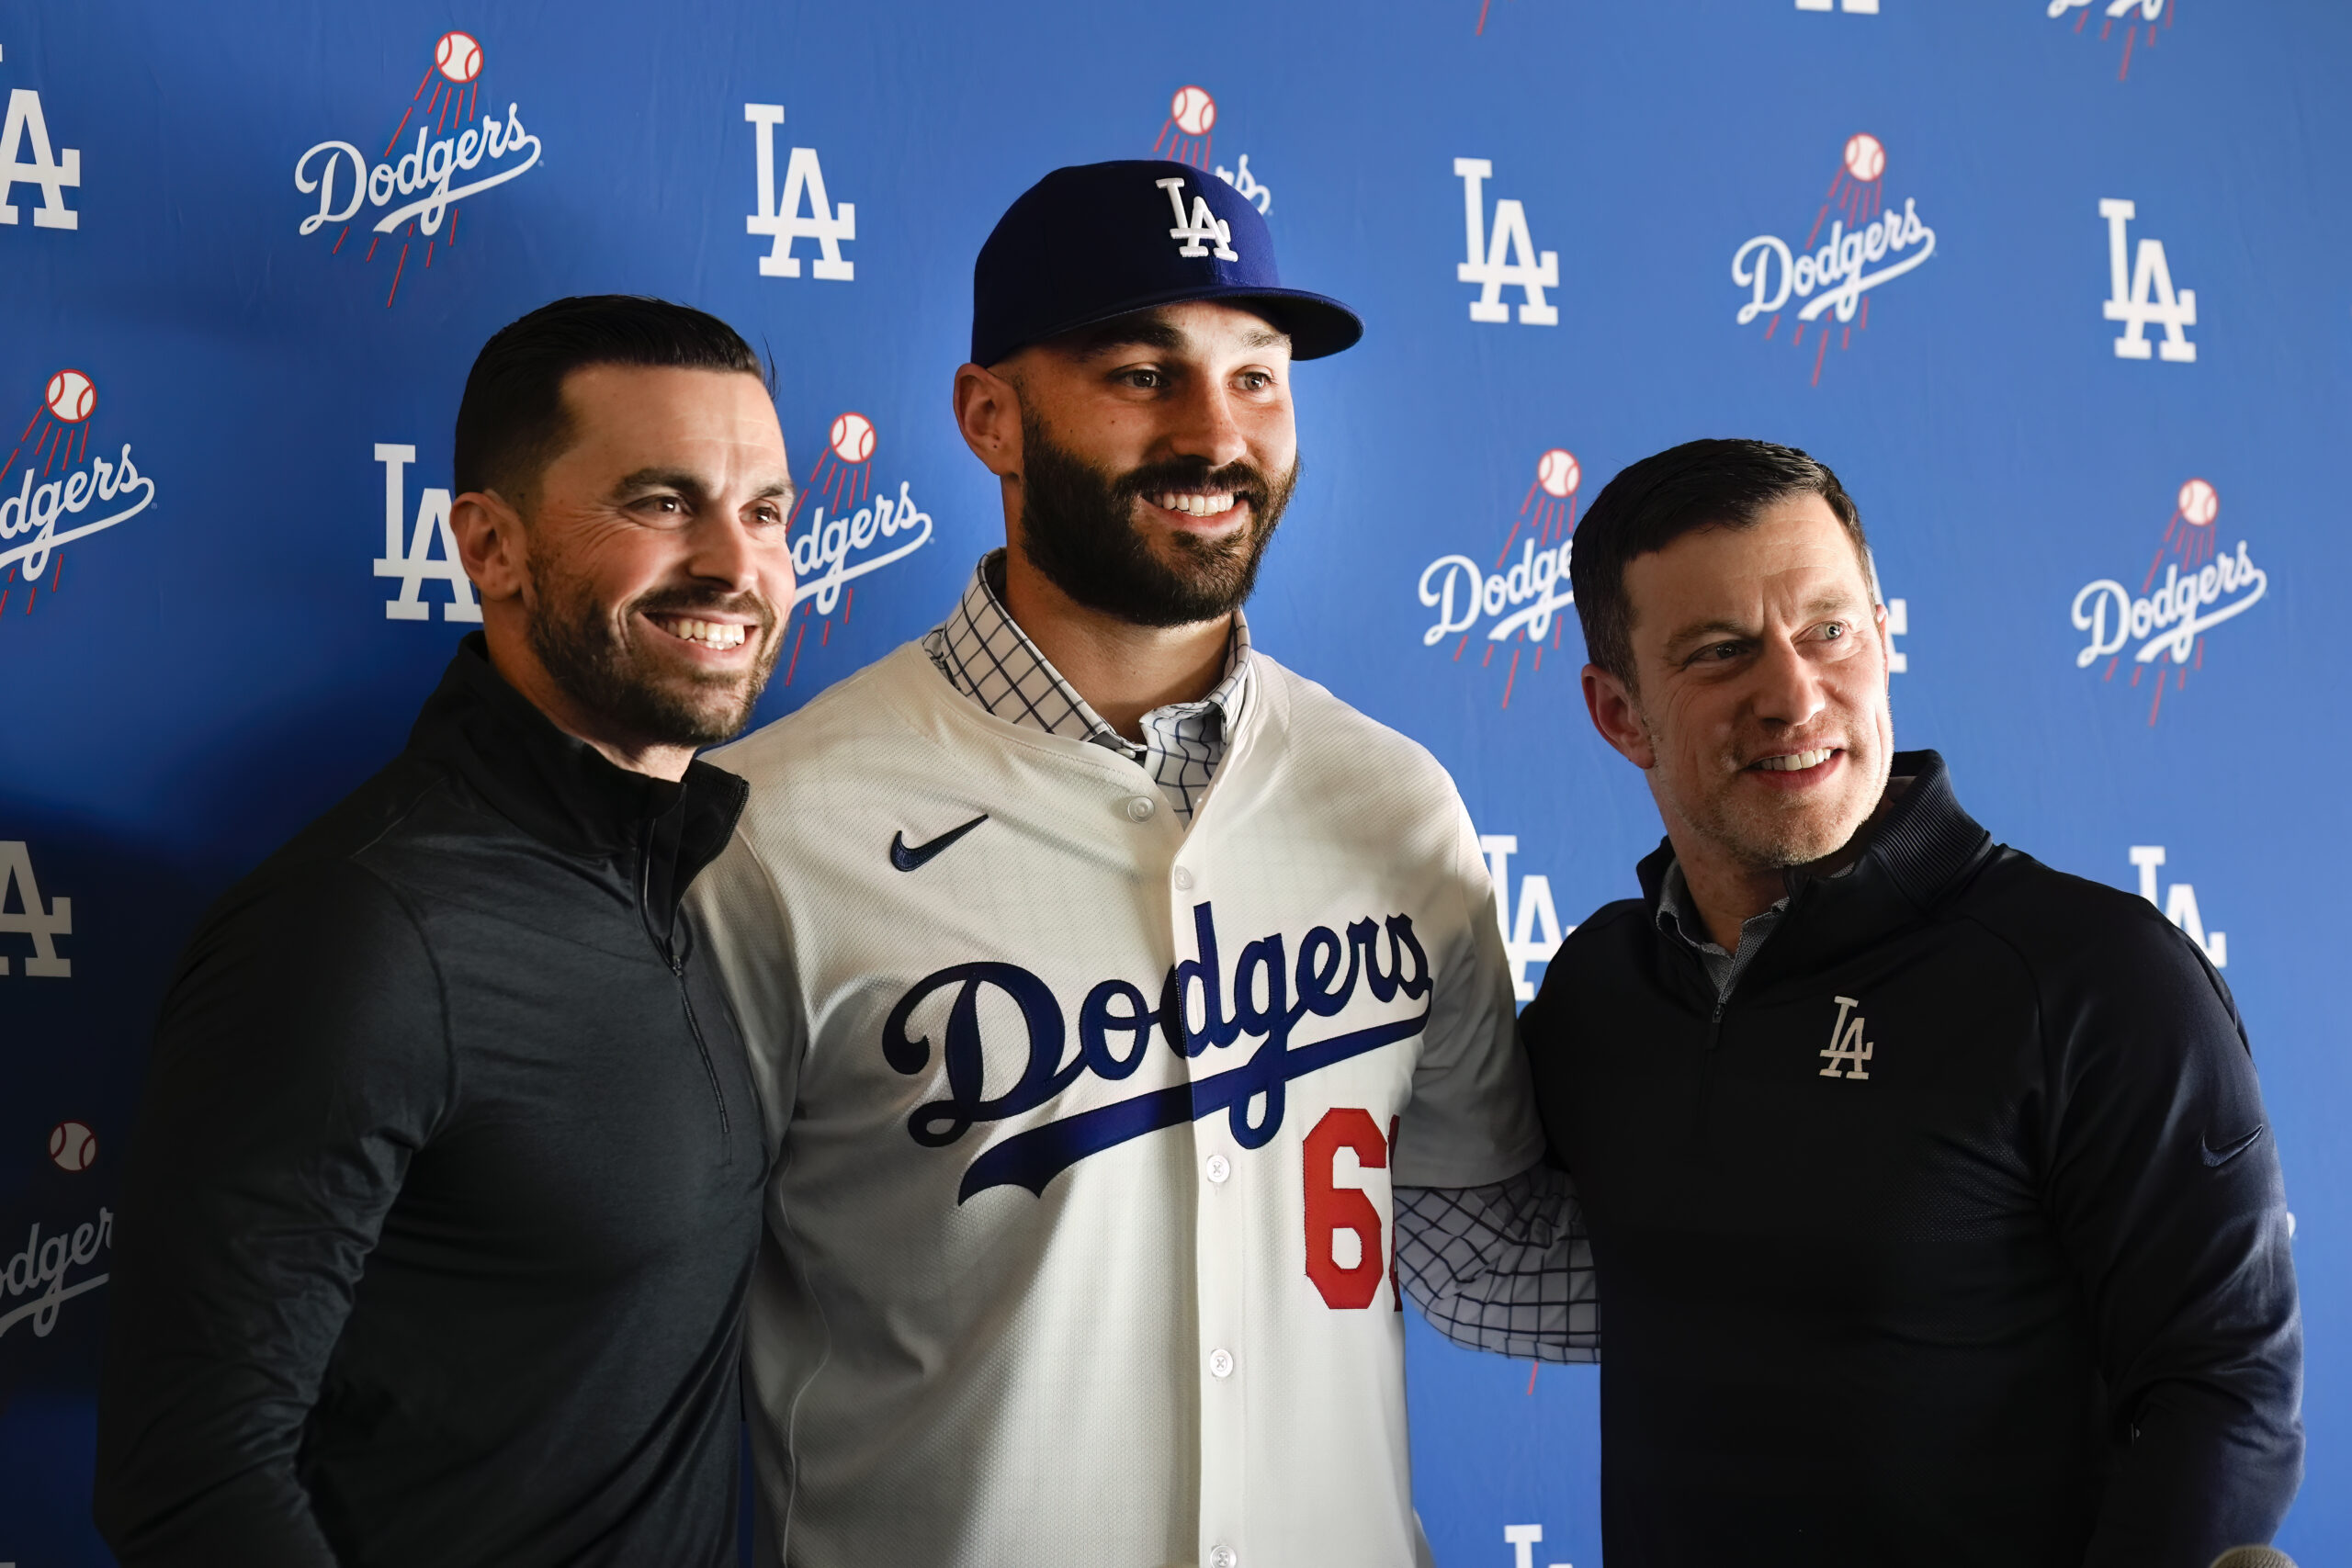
(1331, 1209)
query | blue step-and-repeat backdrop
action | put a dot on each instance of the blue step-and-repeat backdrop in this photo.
(2057, 286)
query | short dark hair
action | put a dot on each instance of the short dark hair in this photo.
(512, 421)
(1699, 484)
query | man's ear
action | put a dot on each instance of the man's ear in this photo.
(1886, 644)
(1618, 716)
(492, 544)
(988, 412)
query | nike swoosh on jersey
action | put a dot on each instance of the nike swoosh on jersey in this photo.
(914, 857)
(2231, 1149)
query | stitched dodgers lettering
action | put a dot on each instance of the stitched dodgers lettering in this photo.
(1270, 997)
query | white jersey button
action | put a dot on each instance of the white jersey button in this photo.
(1183, 880)
(1224, 1557)
(1219, 1168)
(1139, 809)
(1220, 1363)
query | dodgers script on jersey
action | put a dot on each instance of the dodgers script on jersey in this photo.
(1087, 1124)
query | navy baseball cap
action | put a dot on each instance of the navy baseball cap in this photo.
(1097, 241)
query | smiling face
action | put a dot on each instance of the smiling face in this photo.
(638, 595)
(1759, 711)
(1155, 455)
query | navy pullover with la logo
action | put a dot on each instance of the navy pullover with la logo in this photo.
(1951, 1234)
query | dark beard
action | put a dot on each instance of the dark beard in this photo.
(1078, 528)
(610, 677)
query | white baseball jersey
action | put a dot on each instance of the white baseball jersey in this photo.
(1086, 1123)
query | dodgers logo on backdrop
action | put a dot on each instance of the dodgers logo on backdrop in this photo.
(802, 211)
(1520, 602)
(1115, 1025)
(2131, 13)
(412, 194)
(1187, 135)
(39, 1281)
(2164, 625)
(1866, 247)
(61, 492)
(863, 534)
(26, 158)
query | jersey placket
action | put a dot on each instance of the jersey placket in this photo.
(1228, 1182)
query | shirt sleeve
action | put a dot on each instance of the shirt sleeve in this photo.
(2165, 1185)
(1506, 1267)
(739, 912)
(1470, 1122)
(300, 1061)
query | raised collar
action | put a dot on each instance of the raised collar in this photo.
(559, 789)
(1923, 848)
(985, 655)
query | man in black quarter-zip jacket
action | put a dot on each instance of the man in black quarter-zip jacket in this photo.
(447, 1185)
(1930, 1191)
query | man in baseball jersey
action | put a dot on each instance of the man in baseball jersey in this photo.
(1109, 986)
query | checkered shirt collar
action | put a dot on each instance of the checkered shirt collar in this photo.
(986, 655)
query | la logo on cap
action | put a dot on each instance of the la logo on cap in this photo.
(1205, 225)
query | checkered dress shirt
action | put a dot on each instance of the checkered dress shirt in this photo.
(1505, 1267)
(986, 655)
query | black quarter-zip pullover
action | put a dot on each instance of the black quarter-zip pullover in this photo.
(1951, 1234)
(445, 1187)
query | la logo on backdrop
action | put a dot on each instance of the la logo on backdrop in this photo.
(27, 158)
(1867, 245)
(2164, 625)
(2132, 13)
(1520, 603)
(801, 210)
(1188, 136)
(411, 195)
(61, 492)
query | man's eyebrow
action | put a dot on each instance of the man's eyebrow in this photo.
(1128, 332)
(657, 478)
(1265, 337)
(1684, 634)
(687, 483)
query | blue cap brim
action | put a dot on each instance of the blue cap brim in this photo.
(1318, 325)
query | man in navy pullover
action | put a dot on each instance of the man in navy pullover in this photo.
(1935, 1210)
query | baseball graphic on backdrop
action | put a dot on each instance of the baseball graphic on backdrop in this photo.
(1192, 110)
(2199, 502)
(853, 439)
(458, 56)
(70, 397)
(73, 1146)
(1557, 472)
(1865, 157)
